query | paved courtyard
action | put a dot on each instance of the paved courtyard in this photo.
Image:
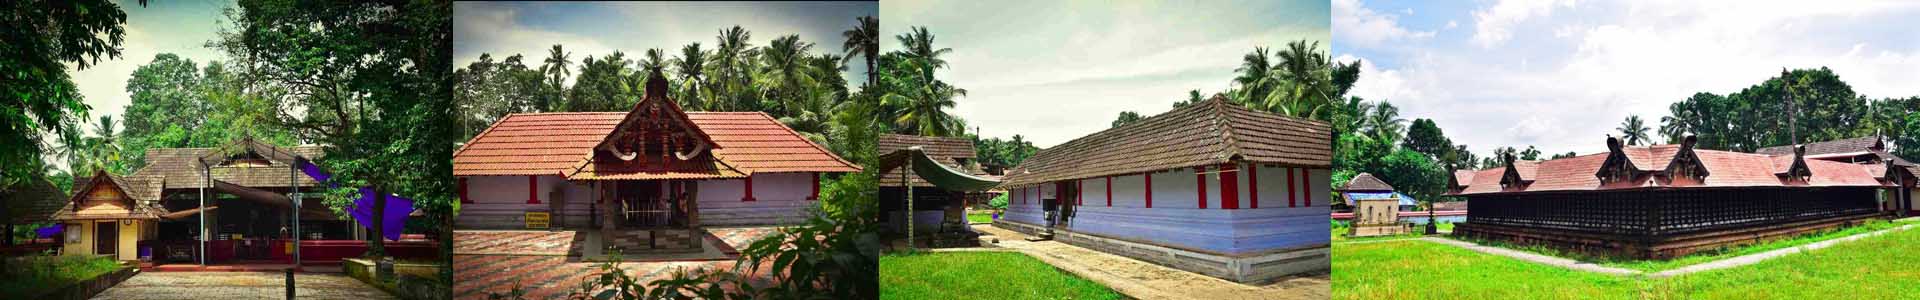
(549, 265)
(239, 285)
(1142, 280)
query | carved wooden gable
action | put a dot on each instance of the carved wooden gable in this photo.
(1686, 167)
(1797, 172)
(1617, 168)
(655, 135)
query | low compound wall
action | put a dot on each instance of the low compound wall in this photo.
(1250, 268)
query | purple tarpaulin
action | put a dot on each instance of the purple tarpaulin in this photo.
(50, 231)
(314, 172)
(396, 213)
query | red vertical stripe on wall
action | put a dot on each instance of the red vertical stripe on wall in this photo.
(1149, 176)
(749, 195)
(1253, 186)
(816, 187)
(1200, 178)
(1109, 191)
(463, 191)
(1080, 189)
(1229, 187)
(1306, 187)
(533, 190)
(1293, 195)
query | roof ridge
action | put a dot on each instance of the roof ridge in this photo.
(1229, 146)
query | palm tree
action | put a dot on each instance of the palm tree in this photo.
(1385, 122)
(1633, 130)
(73, 147)
(691, 66)
(925, 113)
(730, 64)
(104, 145)
(1255, 73)
(1304, 81)
(557, 67)
(919, 44)
(785, 71)
(864, 40)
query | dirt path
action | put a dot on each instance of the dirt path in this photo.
(1142, 280)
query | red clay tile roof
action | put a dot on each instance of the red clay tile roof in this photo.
(1463, 177)
(1847, 145)
(1728, 169)
(1366, 182)
(1203, 134)
(947, 150)
(556, 143)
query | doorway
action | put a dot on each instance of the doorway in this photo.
(106, 236)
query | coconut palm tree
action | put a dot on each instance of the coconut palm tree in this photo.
(785, 71)
(731, 63)
(104, 146)
(919, 44)
(557, 68)
(864, 40)
(925, 111)
(691, 66)
(1255, 76)
(1633, 130)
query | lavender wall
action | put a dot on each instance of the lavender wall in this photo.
(1177, 221)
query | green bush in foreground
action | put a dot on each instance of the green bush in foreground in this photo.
(33, 275)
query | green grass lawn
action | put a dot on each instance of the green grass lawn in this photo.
(1881, 267)
(35, 275)
(980, 217)
(981, 275)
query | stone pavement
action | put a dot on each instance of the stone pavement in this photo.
(239, 285)
(1142, 280)
(553, 265)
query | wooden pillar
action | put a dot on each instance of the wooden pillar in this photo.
(533, 189)
(749, 194)
(1109, 191)
(1293, 193)
(816, 187)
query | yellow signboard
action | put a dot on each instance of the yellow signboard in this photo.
(538, 220)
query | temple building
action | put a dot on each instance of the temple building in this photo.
(102, 218)
(643, 180)
(1870, 151)
(934, 206)
(1212, 188)
(1666, 201)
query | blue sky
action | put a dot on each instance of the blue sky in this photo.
(598, 29)
(1057, 70)
(1561, 75)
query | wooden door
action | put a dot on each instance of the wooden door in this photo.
(106, 236)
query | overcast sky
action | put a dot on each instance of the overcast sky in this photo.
(597, 29)
(178, 27)
(1562, 74)
(1053, 71)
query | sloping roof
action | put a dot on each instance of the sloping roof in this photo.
(556, 143)
(1366, 182)
(1847, 145)
(1463, 177)
(945, 150)
(130, 208)
(1206, 133)
(31, 201)
(1729, 169)
(179, 168)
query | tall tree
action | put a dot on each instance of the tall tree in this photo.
(691, 65)
(1633, 130)
(36, 95)
(864, 40)
(785, 73)
(1426, 137)
(920, 50)
(558, 66)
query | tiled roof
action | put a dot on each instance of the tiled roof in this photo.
(131, 208)
(1366, 182)
(178, 168)
(946, 150)
(1203, 134)
(1847, 145)
(1727, 169)
(31, 201)
(1463, 177)
(557, 143)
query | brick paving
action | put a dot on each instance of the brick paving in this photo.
(239, 285)
(498, 262)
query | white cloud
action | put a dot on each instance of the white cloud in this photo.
(1451, 24)
(1355, 25)
(1494, 25)
(496, 31)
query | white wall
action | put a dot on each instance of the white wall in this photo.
(1176, 220)
(779, 199)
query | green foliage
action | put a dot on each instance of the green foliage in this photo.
(1304, 82)
(1126, 117)
(1006, 153)
(1426, 137)
(1634, 131)
(37, 275)
(1821, 105)
(915, 101)
(998, 202)
(982, 275)
(36, 94)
